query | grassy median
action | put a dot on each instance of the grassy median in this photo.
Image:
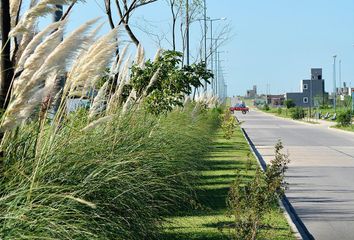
(209, 220)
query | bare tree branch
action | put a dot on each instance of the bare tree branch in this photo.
(109, 13)
(68, 10)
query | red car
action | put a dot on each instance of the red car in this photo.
(242, 108)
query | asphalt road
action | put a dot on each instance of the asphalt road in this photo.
(320, 175)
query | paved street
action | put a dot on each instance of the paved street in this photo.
(321, 173)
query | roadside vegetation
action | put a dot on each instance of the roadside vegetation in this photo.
(97, 144)
(231, 195)
(119, 161)
(342, 115)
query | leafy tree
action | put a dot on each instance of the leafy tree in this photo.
(162, 84)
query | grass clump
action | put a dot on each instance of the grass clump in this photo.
(118, 180)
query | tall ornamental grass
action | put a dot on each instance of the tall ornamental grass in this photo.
(112, 171)
(116, 181)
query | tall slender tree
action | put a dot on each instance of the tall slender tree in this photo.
(5, 61)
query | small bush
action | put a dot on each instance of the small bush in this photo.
(266, 107)
(228, 124)
(279, 111)
(289, 103)
(344, 119)
(297, 113)
(249, 202)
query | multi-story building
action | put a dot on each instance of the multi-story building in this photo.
(312, 91)
(252, 93)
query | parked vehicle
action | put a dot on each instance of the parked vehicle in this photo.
(239, 107)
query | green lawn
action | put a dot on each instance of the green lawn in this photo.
(349, 128)
(285, 113)
(209, 220)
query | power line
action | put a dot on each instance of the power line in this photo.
(103, 10)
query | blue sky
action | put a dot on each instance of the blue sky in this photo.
(272, 42)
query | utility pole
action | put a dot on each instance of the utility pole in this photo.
(217, 69)
(211, 57)
(340, 77)
(212, 49)
(334, 83)
(205, 43)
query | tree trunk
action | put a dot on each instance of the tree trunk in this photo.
(6, 63)
(174, 34)
(131, 34)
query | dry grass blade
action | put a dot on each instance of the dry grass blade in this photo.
(98, 122)
(35, 42)
(99, 101)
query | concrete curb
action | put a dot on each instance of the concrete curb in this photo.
(297, 226)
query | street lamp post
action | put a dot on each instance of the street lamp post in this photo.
(211, 55)
(340, 76)
(205, 43)
(334, 83)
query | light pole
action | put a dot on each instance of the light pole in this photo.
(218, 84)
(205, 43)
(334, 83)
(211, 20)
(206, 56)
(214, 70)
(340, 77)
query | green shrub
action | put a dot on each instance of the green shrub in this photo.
(249, 202)
(279, 110)
(344, 119)
(289, 103)
(297, 113)
(266, 107)
(228, 124)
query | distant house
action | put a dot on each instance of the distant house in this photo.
(312, 91)
(275, 100)
(252, 93)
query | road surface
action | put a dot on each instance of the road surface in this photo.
(320, 175)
